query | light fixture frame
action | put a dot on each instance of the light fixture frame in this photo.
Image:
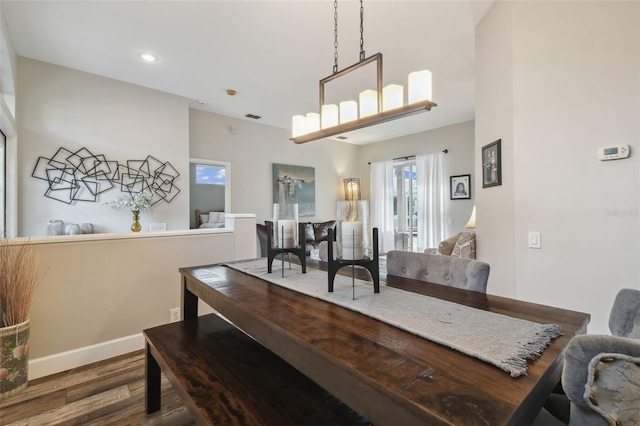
(380, 117)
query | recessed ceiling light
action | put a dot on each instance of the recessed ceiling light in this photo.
(148, 57)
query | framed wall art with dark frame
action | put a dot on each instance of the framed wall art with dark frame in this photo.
(460, 187)
(491, 164)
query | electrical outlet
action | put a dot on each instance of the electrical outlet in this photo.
(156, 227)
(174, 315)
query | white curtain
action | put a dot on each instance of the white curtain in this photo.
(382, 203)
(429, 174)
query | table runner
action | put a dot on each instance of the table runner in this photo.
(497, 339)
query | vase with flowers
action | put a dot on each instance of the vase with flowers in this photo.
(18, 282)
(136, 203)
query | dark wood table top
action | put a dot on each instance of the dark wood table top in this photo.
(388, 375)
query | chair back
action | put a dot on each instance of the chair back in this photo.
(467, 274)
(624, 319)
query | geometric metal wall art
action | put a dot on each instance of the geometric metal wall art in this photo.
(82, 176)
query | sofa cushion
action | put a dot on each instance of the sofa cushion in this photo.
(309, 233)
(465, 246)
(321, 230)
(446, 246)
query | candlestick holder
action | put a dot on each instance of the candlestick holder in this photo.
(369, 262)
(286, 235)
(352, 242)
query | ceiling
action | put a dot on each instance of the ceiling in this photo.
(273, 53)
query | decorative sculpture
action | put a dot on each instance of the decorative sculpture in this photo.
(82, 176)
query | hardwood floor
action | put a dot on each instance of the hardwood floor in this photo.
(109, 392)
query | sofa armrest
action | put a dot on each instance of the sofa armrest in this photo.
(446, 246)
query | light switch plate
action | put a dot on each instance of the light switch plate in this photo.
(534, 240)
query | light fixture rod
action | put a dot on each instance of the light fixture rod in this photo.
(361, 123)
(376, 57)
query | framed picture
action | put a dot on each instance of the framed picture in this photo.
(460, 187)
(295, 184)
(491, 165)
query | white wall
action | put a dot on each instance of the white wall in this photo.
(494, 112)
(60, 107)
(252, 151)
(99, 292)
(556, 81)
(458, 139)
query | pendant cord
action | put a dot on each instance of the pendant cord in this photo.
(362, 54)
(335, 36)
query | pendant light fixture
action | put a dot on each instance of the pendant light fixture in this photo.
(375, 106)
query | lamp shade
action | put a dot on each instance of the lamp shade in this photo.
(471, 224)
(348, 111)
(299, 125)
(419, 86)
(352, 189)
(329, 117)
(313, 122)
(392, 97)
(368, 103)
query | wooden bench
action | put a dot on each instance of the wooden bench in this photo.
(226, 378)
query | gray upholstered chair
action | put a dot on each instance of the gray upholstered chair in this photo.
(601, 374)
(456, 272)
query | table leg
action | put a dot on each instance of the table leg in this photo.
(152, 382)
(189, 302)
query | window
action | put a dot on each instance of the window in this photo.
(405, 208)
(207, 174)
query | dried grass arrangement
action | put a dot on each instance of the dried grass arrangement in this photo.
(18, 280)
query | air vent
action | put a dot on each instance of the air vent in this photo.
(255, 117)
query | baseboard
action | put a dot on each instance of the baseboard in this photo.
(63, 361)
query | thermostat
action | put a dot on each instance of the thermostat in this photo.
(613, 152)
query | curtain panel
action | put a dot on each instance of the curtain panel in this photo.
(430, 177)
(382, 203)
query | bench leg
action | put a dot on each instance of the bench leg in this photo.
(152, 382)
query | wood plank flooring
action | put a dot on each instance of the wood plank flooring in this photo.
(109, 392)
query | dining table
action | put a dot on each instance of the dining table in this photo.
(387, 374)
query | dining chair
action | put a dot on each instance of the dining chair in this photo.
(601, 373)
(468, 274)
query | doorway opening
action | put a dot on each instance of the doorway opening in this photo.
(209, 187)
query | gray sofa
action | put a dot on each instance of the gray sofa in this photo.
(468, 274)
